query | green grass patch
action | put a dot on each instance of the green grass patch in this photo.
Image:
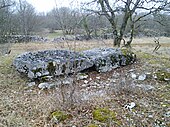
(55, 34)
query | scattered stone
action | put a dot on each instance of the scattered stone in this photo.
(98, 78)
(167, 114)
(142, 77)
(67, 81)
(134, 76)
(130, 105)
(85, 81)
(82, 76)
(150, 116)
(47, 85)
(84, 85)
(31, 75)
(31, 84)
(113, 80)
(131, 70)
(44, 85)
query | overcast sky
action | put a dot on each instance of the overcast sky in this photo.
(47, 5)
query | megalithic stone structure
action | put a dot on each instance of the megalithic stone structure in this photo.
(61, 62)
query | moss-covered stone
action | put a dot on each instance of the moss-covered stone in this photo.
(51, 67)
(125, 52)
(60, 116)
(128, 55)
(103, 115)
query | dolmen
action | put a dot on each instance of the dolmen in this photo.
(36, 65)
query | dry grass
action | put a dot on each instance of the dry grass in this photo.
(23, 106)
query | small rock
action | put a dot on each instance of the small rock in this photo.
(85, 81)
(155, 76)
(107, 85)
(38, 74)
(84, 85)
(168, 70)
(98, 78)
(150, 116)
(82, 76)
(131, 70)
(30, 75)
(113, 80)
(44, 85)
(130, 105)
(167, 79)
(67, 81)
(31, 84)
(51, 86)
(142, 77)
(167, 114)
(133, 75)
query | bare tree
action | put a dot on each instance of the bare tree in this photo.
(27, 17)
(129, 9)
(67, 19)
(4, 4)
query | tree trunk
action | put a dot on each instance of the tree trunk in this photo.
(117, 40)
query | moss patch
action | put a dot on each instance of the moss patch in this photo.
(129, 55)
(104, 115)
(92, 125)
(162, 75)
(60, 116)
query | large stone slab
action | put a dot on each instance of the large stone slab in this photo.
(61, 62)
(51, 62)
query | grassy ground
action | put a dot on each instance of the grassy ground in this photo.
(24, 106)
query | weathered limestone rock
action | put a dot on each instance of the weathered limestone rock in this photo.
(106, 59)
(60, 62)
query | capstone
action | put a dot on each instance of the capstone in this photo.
(62, 62)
